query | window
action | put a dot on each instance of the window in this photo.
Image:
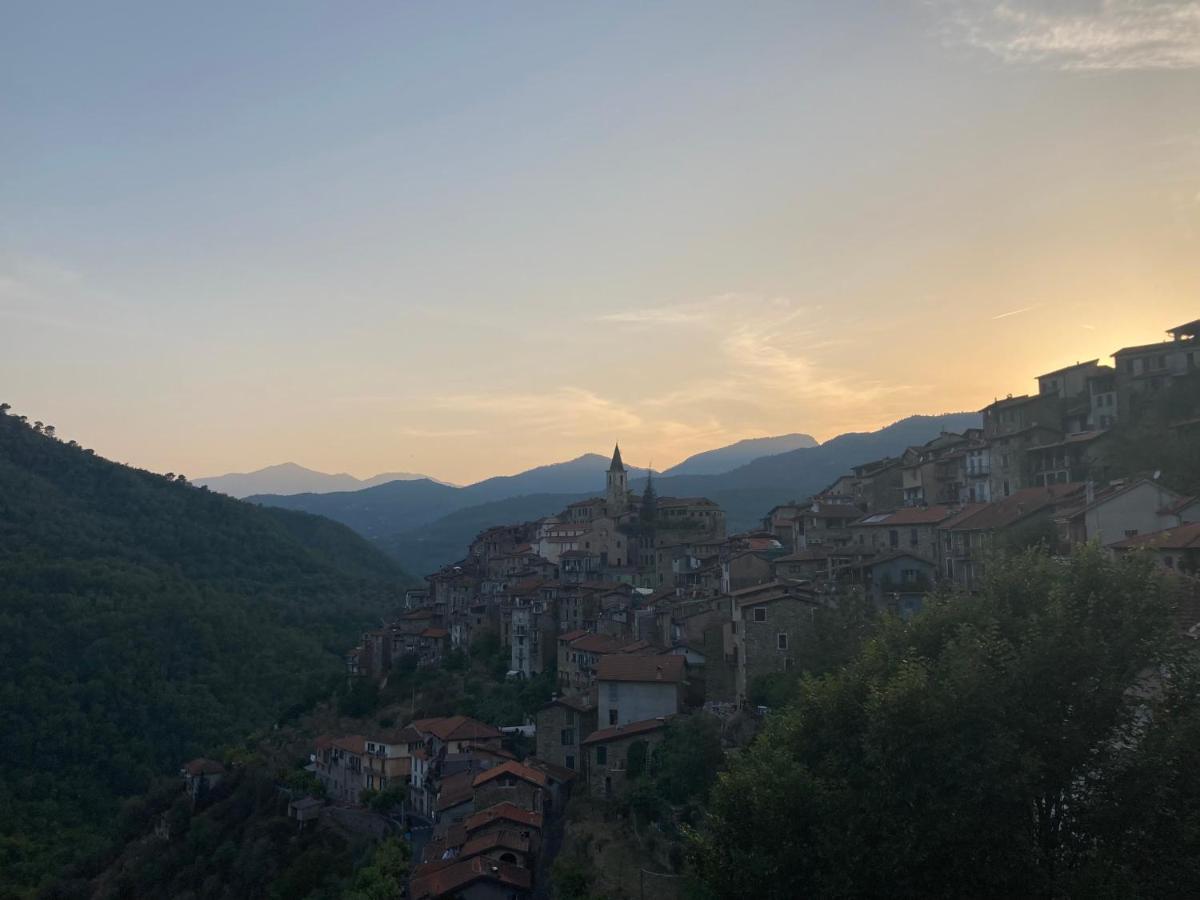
(893, 538)
(601, 755)
(613, 691)
(1131, 532)
(612, 716)
(1168, 562)
(733, 627)
(567, 736)
(913, 537)
(570, 761)
(760, 614)
(781, 641)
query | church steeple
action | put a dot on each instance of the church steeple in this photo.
(618, 485)
(649, 498)
(617, 465)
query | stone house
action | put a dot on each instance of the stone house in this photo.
(455, 799)
(339, 766)
(201, 775)
(638, 688)
(506, 815)
(1077, 457)
(579, 653)
(909, 529)
(765, 624)
(562, 724)
(512, 783)
(608, 754)
(968, 537)
(1008, 461)
(1143, 371)
(456, 734)
(898, 581)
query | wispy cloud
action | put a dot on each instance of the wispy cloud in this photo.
(1014, 312)
(1080, 34)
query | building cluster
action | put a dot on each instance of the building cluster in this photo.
(646, 608)
(482, 810)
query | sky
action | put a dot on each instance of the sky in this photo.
(464, 239)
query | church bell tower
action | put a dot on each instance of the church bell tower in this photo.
(618, 485)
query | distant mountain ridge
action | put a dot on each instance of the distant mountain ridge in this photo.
(292, 478)
(726, 459)
(424, 525)
(388, 509)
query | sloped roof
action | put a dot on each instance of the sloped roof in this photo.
(642, 669)
(516, 769)
(554, 772)
(455, 789)
(352, 743)
(405, 735)
(573, 635)
(459, 875)
(202, 766)
(1012, 509)
(435, 633)
(596, 643)
(505, 811)
(1180, 537)
(908, 515)
(456, 728)
(579, 704)
(506, 838)
(624, 731)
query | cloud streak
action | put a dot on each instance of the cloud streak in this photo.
(1084, 35)
(1014, 312)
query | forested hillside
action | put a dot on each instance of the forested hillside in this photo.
(144, 621)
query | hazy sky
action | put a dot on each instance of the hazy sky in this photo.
(466, 238)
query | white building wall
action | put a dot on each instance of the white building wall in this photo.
(636, 701)
(1136, 511)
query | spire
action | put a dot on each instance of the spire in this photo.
(649, 498)
(617, 465)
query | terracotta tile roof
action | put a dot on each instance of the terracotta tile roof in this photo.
(898, 554)
(352, 743)
(435, 633)
(1012, 509)
(596, 643)
(505, 811)
(645, 669)
(1181, 537)
(554, 772)
(516, 769)
(455, 836)
(456, 728)
(455, 877)
(506, 838)
(834, 511)
(573, 635)
(909, 515)
(202, 766)
(579, 704)
(1180, 505)
(455, 790)
(684, 501)
(405, 735)
(624, 731)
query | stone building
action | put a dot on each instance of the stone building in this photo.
(562, 724)
(513, 783)
(608, 754)
(765, 623)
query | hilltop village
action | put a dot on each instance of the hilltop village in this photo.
(648, 611)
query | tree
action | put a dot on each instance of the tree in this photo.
(686, 762)
(968, 752)
(385, 876)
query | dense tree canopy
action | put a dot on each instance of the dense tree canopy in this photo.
(1037, 739)
(144, 622)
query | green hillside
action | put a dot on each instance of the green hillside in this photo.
(144, 621)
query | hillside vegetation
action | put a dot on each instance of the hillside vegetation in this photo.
(144, 621)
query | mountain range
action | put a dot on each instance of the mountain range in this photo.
(725, 459)
(424, 525)
(290, 478)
